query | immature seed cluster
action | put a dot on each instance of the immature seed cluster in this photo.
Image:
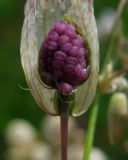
(63, 58)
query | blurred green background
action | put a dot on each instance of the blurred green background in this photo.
(18, 103)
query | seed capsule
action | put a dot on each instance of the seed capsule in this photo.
(47, 31)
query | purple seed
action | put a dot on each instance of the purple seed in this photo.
(81, 40)
(66, 47)
(65, 88)
(51, 45)
(81, 52)
(60, 27)
(63, 39)
(81, 60)
(59, 55)
(65, 22)
(73, 51)
(78, 69)
(69, 68)
(53, 36)
(83, 65)
(71, 60)
(77, 43)
(70, 26)
(70, 33)
(82, 73)
(58, 64)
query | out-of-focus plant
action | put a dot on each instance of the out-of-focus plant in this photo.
(61, 61)
(117, 115)
(24, 142)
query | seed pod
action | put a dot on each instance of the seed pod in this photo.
(117, 112)
(40, 15)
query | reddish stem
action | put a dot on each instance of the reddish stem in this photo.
(64, 135)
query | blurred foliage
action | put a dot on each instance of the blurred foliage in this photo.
(15, 102)
(18, 103)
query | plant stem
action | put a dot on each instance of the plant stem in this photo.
(64, 136)
(91, 129)
(64, 110)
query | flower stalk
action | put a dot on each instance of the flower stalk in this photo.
(64, 135)
(64, 105)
